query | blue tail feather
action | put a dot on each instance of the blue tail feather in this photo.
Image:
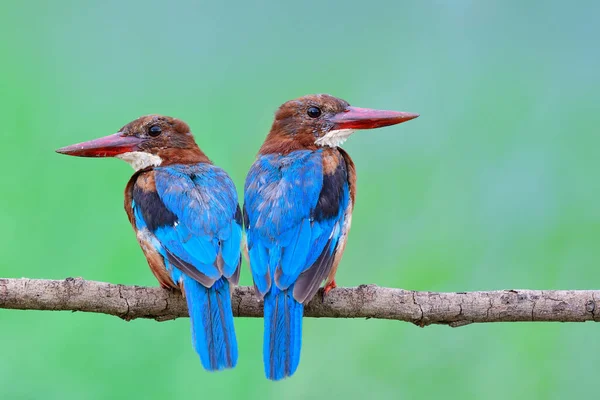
(213, 334)
(283, 333)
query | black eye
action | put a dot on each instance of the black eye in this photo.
(154, 131)
(314, 112)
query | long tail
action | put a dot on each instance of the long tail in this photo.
(213, 334)
(283, 333)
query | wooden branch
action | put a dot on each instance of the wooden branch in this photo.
(365, 301)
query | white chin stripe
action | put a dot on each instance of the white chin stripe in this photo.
(334, 138)
(140, 160)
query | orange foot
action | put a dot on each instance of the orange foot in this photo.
(329, 286)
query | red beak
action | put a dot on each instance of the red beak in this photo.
(366, 118)
(108, 146)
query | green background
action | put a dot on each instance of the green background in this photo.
(495, 186)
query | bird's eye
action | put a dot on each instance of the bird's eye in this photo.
(314, 112)
(154, 131)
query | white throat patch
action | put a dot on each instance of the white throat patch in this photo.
(140, 160)
(334, 138)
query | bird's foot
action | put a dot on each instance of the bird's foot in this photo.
(329, 286)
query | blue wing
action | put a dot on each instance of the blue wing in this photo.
(294, 213)
(195, 220)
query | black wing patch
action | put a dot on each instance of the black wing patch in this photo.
(246, 219)
(153, 210)
(238, 216)
(330, 198)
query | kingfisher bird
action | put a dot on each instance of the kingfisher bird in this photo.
(298, 200)
(185, 213)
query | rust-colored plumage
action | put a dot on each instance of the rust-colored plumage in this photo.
(293, 129)
(175, 145)
(167, 138)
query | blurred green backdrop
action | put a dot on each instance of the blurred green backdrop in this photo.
(495, 186)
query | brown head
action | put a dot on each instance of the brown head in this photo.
(323, 120)
(151, 140)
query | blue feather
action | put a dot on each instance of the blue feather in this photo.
(287, 234)
(194, 252)
(231, 249)
(202, 203)
(282, 333)
(213, 334)
(259, 265)
(295, 255)
(280, 194)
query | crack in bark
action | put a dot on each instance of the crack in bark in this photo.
(419, 322)
(125, 315)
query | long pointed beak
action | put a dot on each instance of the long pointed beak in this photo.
(108, 146)
(366, 118)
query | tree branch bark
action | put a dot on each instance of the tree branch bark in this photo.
(365, 301)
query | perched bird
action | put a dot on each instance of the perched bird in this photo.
(187, 220)
(298, 201)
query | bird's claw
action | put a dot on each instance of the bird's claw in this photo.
(328, 287)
